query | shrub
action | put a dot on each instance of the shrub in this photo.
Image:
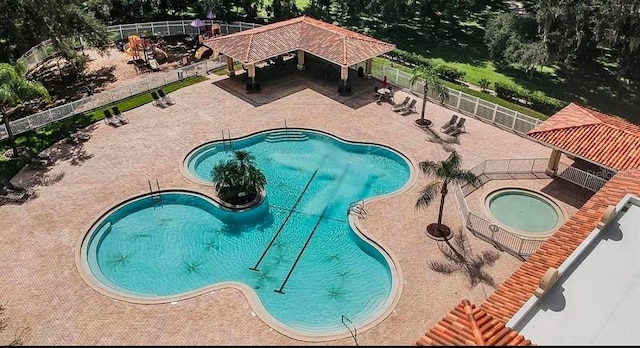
(540, 102)
(449, 73)
(409, 58)
(536, 100)
(484, 84)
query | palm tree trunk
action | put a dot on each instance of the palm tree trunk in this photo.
(424, 101)
(12, 141)
(443, 194)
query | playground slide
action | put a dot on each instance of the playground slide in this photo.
(136, 55)
(159, 51)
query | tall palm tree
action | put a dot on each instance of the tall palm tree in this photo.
(16, 89)
(238, 175)
(445, 173)
(431, 80)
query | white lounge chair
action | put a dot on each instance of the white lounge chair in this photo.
(450, 123)
(458, 128)
(411, 108)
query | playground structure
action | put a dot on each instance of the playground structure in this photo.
(204, 52)
(144, 52)
(213, 30)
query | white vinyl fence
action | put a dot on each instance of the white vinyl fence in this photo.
(97, 100)
(466, 103)
(44, 50)
(580, 177)
(40, 53)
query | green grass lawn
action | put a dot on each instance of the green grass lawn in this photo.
(461, 45)
(40, 139)
(236, 66)
(377, 70)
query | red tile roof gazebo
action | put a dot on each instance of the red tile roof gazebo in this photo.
(302, 34)
(608, 141)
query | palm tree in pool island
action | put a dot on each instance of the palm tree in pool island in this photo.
(431, 81)
(444, 173)
(237, 180)
(14, 90)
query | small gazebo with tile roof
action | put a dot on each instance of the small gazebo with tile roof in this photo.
(469, 325)
(607, 141)
(302, 34)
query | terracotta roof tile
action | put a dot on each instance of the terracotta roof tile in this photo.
(607, 140)
(328, 41)
(469, 325)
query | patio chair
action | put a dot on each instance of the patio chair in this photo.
(375, 92)
(165, 98)
(109, 119)
(411, 108)
(119, 115)
(13, 196)
(450, 123)
(39, 163)
(76, 138)
(157, 101)
(458, 128)
(400, 106)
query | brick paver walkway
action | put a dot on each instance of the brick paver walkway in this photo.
(43, 290)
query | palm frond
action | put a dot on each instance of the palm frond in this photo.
(427, 195)
(443, 267)
(462, 177)
(428, 167)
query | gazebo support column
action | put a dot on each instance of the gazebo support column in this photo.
(300, 60)
(554, 160)
(252, 86)
(230, 69)
(343, 88)
(251, 73)
(368, 66)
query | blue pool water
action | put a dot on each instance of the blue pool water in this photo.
(525, 211)
(186, 243)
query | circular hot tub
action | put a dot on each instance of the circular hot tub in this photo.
(525, 212)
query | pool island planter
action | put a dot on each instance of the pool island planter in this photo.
(260, 197)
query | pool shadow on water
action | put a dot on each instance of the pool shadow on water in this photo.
(238, 229)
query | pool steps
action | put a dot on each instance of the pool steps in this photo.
(286, 135)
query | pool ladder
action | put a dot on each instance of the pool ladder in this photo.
(226, 142)
(354, 332)
(357, 208)
(155, 194)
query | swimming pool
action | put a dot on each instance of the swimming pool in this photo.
(524, 211)
(316, 270)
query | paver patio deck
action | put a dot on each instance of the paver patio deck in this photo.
(43, 291)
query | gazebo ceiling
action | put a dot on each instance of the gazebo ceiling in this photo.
(327, 41)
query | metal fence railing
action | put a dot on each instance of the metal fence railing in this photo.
(580, 177)
(500, 237)
(97, 100)
(40, 53)
(466, 103)
(485, 169)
